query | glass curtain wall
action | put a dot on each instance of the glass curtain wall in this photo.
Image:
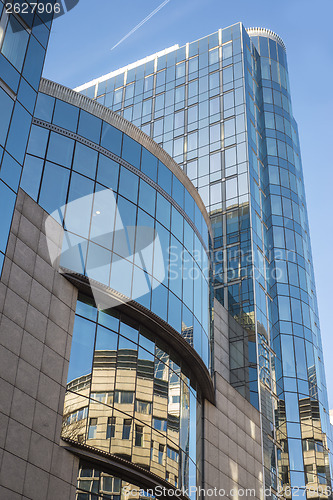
(23, 42)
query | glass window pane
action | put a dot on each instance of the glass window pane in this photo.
(15, 43)
(60, 149)
(78, 211)
(53, 199)
(66, 115)
(32, 172)
(85, 160)
(82, 348)
(89, 126)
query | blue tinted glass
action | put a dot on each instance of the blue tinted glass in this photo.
(178, 191)
(78, 211)
(27, 95)
(131, 151)
(15, 43)
(163, 211)
(37, 141)
(82, 348)
(108, 172)
(121, 276)
(159, 304)
(32, 172)
(44, 107)
(85, 307)
(128, 184)
(149, 164)
(111, 138)
(7, 202)
(189, 205)
(128, 331)
(18, 134)
(52, 199)
(10, 172)
(174, 316)
(34, 63)
(74, 253)
(263, 41)
(177, 224)
(98, 263)
(141, 293)
(60, 149)
(85, 160)
(175, 267)
(89, 126)
(147, 198)
(164, 240)
(9, 74)
(106, 340)
(103, 215)
(164, 178)
(6, 106)
(106, 318)
(66, 115)
(125, 228)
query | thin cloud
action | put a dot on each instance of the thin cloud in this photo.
(142, 22)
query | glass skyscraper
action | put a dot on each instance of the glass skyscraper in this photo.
(221, 107)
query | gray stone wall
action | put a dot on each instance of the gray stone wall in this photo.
(37, 307)
(232, 436)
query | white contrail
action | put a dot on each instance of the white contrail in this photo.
(142, 22)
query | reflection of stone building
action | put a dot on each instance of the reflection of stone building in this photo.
(113, 411)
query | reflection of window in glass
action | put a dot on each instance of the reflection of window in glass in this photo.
(160, 453)
(152, 450)
(167, 476)
(143, 407)
(159, 424)
(111, 427)
(321, 474)
(92, 428)
(123, 397)
(309, 473)
(138, 435)
(172, 454)
(77, 415)
(126, 428)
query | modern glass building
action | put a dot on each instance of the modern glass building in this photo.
(121, 374)
(221, 106)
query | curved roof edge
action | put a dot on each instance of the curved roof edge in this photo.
(70, 96)
(266, 32)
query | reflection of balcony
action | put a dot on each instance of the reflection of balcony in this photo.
(314, 447)
(129, 408)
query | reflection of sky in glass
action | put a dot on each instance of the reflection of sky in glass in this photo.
(82, 349)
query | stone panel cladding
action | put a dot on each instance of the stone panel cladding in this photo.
(37, 308)
(232, 438)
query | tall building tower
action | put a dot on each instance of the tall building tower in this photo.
(221, 107)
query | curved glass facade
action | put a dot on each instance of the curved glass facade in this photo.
(303, 427)
(23, 42)
(128, 394)
(130, 223)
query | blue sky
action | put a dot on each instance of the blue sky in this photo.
(80, 50)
